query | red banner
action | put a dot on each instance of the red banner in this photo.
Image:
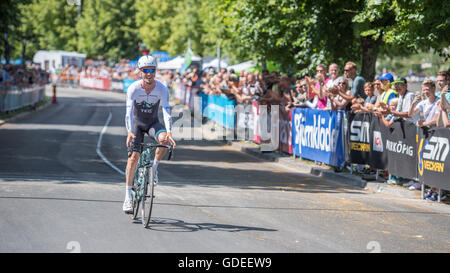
(95, 83)
(256, 126)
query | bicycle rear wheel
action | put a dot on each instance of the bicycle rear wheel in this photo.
(147, 198)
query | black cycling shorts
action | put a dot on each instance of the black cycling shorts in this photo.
(139, 130)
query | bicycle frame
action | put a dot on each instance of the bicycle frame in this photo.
(145, 161)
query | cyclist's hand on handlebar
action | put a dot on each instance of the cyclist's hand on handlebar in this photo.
(170, 139)
(130, 137)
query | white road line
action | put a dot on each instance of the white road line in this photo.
(99, 144)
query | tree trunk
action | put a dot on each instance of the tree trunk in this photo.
(24, 50)
(370, 48)
(5, 40)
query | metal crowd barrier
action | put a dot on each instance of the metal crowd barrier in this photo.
(14, 97)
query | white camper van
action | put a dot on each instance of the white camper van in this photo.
(51, 60)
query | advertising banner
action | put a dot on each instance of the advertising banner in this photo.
(367, 140)
(256, 125)
(285, 131)
(221, 110)
(126, 84)
(95, 83)
(379, 133)
(317, 135)
(116, 85)
(433, 157)
(359, 137)
(401, 147)
(244, 121)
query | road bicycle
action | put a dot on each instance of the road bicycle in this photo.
(144, 182)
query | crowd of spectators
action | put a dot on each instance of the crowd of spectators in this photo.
(386, 97)
(22, 75)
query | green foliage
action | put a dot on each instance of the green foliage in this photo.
(153, 18)
(108, 28)
(296, 35)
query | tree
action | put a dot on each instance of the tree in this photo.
(296, 35)
(54, 24)
(10, 14)
(108, 28)
(153, 19)
(299, 35)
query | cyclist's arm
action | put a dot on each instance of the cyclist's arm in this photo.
(166, 111)
(129, 110)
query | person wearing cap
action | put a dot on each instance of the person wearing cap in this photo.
(405, 98)
(389, 93)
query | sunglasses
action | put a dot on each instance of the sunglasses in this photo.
(148, 70)
(303, 85)
(343, 83)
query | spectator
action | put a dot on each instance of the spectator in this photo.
(427, 108)
(442, 119)
(389, 119)
(333, 71)
(357, 85)
(319, 87)
(405, 100)
(340, 91)
(387, 92)
(370, 101)
(299, 94)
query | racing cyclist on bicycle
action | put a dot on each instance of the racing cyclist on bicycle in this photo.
(143, 99)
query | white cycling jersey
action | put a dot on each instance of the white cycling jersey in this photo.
(142, 108)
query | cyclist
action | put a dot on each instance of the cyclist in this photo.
(143, 99)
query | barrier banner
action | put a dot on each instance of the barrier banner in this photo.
(179, 92)
(221, 110)
(285, 131)
(401, 147)
(433, 157)
(379, 133)
(317, 135)
(187, 98)
(126, 83)
(244, 121)
(116, 85)
(95, 83)
(359, 137)
(256, 125)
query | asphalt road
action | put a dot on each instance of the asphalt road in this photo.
(58, 195)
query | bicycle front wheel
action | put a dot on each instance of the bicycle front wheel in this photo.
(147, 199)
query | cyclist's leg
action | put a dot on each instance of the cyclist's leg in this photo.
(159, 132)
(133, 159)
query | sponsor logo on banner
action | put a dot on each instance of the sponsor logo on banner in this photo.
(359, 136)
(377, 142)
(432, 154)
(399, 147)
(318, 136)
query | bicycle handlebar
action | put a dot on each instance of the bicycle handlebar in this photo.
(152, 145)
